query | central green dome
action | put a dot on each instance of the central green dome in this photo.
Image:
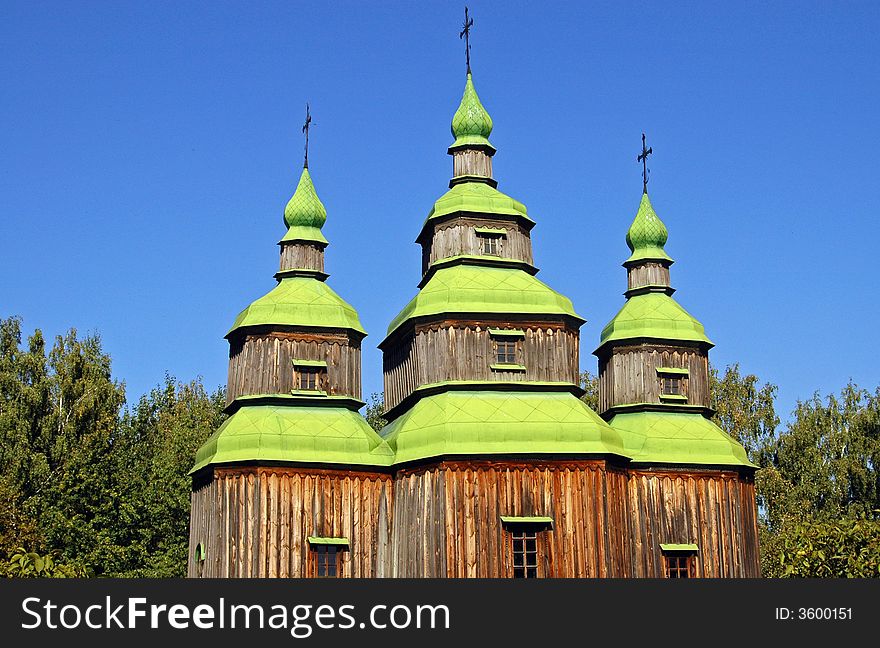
(305, 209)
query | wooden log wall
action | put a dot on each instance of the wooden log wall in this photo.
(255, 522)
(457, 237)
(300, 254)
(471, 162)
(447, 519)
(262, 364)
(715, 510)
(465, 351)
(630, 375)
(647, 274)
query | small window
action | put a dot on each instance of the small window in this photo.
(326, 561)
(679, 565)
(505, 352)
(308, 378)
(525, 536)
(490, 244)
(671, 385)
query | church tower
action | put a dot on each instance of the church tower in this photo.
(295, 482)
(691, 484)
(500, 469)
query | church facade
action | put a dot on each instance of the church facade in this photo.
(490, 465)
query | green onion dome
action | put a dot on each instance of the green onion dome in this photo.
(647, 235)
(471, 124)
(305, 209)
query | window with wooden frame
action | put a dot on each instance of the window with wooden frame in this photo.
(679, 561)
(310, 375)
(491, 241)
(507, 349)
(525, 544)
(325, 557)
(672, 385)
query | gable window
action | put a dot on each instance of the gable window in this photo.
(325, 556)
(525, 544)
(679, 560)
(491, 240)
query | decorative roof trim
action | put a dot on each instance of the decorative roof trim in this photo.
(507, 366)
(308, 399)
(678, 547)
(497, 332)
(301, 272)
(477, 260)
(526, 519)
(309, 363)
(318, 540)
(673, 370)
(456, 180)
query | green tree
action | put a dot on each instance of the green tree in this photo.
(375, 410)
(590, 384)
(745, 409)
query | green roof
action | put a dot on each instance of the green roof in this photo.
(653, 315)
(477, 197)
(471, 124)
(499, 422)
(647, 235)
(677, 438)
(300, 301)
(304, 233)
(305, 209)
(295, 434)
(478, 289)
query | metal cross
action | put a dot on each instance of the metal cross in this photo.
(465, 34)
(306, 131)
(643, 158)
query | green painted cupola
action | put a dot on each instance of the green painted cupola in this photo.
(471, 123)
(654, 364)
(294, 386)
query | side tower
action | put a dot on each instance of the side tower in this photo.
(500, 469)
(691, 486)
(295, 482)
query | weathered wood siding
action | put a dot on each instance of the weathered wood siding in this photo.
(299, 254)
(458, 237)
(447, 519)
(647, 274)
(471, 162)
(263, 364)
(630, 375)
(465, 351)
(714, 509)
(255, 522)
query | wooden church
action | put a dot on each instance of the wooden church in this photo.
(490, 465)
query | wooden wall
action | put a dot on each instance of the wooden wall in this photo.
(465, 351)
(471, 162)
(457, 237)
(715, 510)
(300, 254)
(444, 519)
(630, 375)
(647, 274)
(447, 520)
(262, 364)
(255, 522)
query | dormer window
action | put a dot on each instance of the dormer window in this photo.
(310, 375)
(679, 560)
(491, 240)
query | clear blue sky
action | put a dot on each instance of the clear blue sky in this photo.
(147, 151)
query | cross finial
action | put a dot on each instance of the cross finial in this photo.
(465, 34)
(643, 158)
(306, 131)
